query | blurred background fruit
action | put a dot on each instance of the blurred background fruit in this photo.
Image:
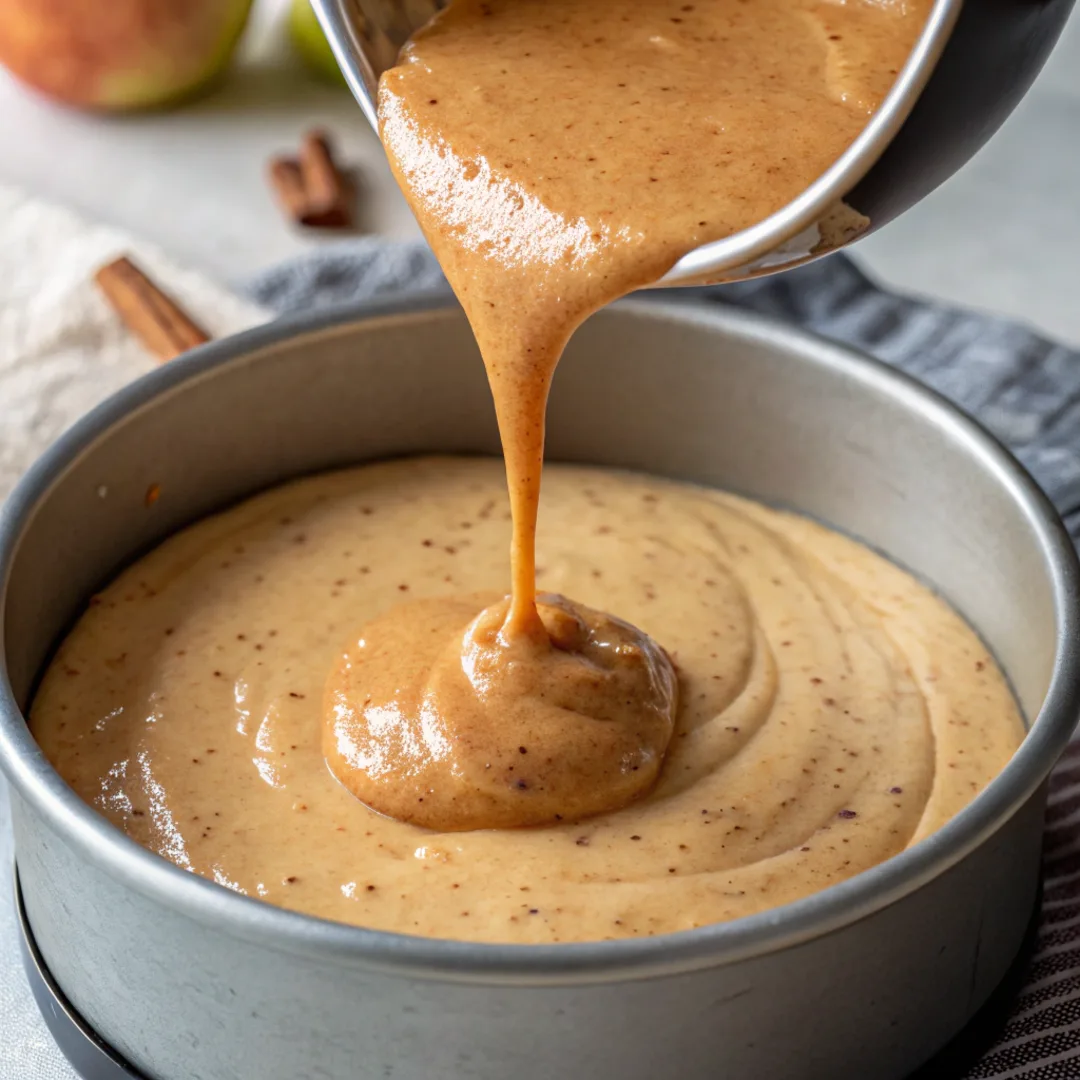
(311, 43)
(116, 55)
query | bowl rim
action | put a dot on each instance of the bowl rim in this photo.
(110, 850)
(719, 258)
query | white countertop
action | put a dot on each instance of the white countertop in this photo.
(1001, 235)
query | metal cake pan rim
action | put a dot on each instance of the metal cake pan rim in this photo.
(208, 903)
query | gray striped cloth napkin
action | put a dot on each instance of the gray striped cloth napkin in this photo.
(1026, 390)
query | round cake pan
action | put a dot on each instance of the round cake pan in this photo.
(184, 979)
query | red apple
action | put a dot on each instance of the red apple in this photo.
(119, 54)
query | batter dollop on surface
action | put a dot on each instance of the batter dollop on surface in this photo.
(439, 716)
(832, 711)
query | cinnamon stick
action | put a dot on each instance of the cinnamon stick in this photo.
(150, 314)
(288, 185)
(326, 187)
(311, 188)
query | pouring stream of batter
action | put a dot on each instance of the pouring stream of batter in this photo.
(559, 154)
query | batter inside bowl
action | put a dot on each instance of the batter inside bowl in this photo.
(832, 711)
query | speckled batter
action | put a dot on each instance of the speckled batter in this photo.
(832, 712)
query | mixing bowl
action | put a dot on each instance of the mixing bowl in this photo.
(971, 66)
(185, 979)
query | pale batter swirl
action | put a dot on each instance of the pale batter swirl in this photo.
(833, 710)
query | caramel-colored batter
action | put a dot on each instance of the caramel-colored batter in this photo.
(559, 154)
(438, 717)
(832, 712)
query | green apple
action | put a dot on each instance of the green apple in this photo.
(311, 43)
(119, 55)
